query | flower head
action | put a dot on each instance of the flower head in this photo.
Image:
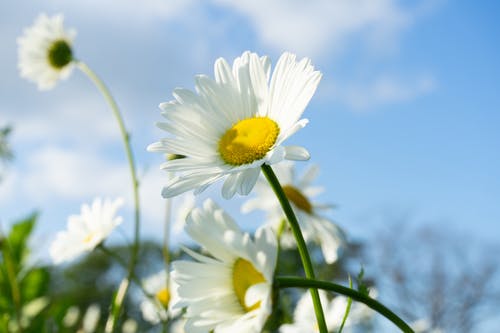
(159, 308)
(300, 193)
(236, 123)
(45, 51)
(230, 291)
(87, 230)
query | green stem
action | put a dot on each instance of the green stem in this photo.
(14, 286)
(294, 282)
(166, 230)
(301, 244)
(120, 296)
(124, 264)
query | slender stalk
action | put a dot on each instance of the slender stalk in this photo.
(124, 264)
(166, 248)
(301, 244)
(347, 309)
(120, 296)
(14, 286)
(295, 282)
(166, 230)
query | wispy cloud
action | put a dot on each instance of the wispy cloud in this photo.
(320, 27)
(383, 90)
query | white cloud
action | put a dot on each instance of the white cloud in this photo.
(83, 120)
(128, 10)
(71, 174)
(383, 90)
(320, 26)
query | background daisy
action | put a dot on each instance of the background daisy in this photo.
(231, 291)
(300, 192)
(236, 123)
(159, 308)
(45, 51)
(87, 230)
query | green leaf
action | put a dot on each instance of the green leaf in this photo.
(18, 238)
(362, 287)
(347, 309)
(34, 284)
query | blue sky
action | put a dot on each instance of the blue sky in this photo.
(404, 123)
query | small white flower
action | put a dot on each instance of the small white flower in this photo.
(305, 318)
(91, 318)
(45, 51)
(231, 291)
(300, 193)
(87, 230)
(235, 124)
(164, 291)
(129, 326)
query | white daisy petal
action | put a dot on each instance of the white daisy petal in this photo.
(247, 180)
(236, 122)
(296, 153)
(180, 185)
(230, 186)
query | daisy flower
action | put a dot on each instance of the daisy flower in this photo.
(300, 193)
(87, 230)
(45, 51)
(231, 290)
(305, 319)
(234, 124)
(165, 295)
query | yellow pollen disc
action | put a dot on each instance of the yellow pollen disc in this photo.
(297, 198)
(244, 276)
(89, 238)
(248, 140)
(164, 297)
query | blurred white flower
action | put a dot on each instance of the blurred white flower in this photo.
(424, 326)
(71, 317)
(164, 291)
(87, 230)
(231, 291)
(236, 123)
(45, 52)
(300, 192)
(129, 326)
(305, 319)
(91, 318)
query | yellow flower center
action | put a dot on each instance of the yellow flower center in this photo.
(60, 54)
(164, 297)
(248, 140)
(297, 198)
(244, 276)
(89, 238)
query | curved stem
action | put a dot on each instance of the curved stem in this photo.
(293, 282)
(301, 244)
(120, 295)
